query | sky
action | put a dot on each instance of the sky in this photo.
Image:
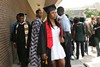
(77, 3)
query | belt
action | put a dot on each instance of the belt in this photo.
(66, 31)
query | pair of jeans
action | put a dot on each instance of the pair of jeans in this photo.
(86, 47)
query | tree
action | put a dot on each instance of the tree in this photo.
(70, 13)
(89, 12)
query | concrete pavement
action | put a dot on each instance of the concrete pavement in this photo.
(90, 60)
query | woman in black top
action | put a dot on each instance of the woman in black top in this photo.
(79, 36)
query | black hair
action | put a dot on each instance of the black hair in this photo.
(37, 11)
(71, 21)
(76, 20)
(20, 15)
(49, 22)
(82, 19)
(61, 9)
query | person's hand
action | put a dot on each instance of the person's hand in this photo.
(44, 56)
(95, 29)
(61, 39)
(15, 45)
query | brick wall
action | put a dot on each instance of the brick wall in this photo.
(8, 11)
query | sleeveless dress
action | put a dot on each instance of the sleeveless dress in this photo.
(57, 51)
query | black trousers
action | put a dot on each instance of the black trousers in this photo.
(23, 55)
(97, 41)
(78, 44)
(67, 47)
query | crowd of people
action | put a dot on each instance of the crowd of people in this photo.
(52, 43)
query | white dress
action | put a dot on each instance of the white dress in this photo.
(57, 51)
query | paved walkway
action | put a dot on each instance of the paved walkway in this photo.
(90, 60)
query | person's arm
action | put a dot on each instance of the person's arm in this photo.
(29, 35)
(88, 27)
(84, 28)
(13, 31)
(96, 27)
(74, 31)
(13, 35)
(42, 45)
(61, 33)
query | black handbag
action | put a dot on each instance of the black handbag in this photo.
(92, 40)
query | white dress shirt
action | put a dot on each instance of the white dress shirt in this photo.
(65, 23)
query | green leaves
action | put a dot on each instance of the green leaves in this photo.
(89, 12)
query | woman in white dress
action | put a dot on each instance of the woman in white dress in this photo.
(50, 36)
(57, 51)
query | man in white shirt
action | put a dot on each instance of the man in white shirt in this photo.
(67, 34)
